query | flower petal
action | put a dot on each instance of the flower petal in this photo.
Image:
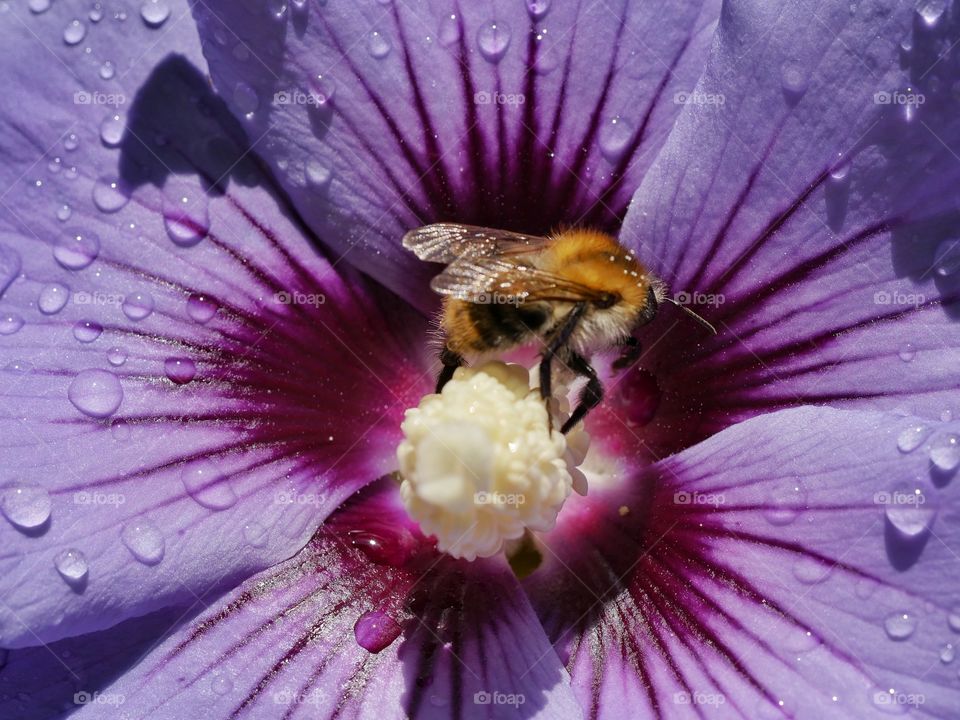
(194, 387)
(380, 118)
(444, 638)
(799, 557)
(801, 205)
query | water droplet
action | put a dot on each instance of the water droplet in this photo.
(953, 618)
(10, 323)
(144, 541)
(615, 135)
(138, 305)
(180, 370)
(900, 626)
(318, 175)
(221, 684)
(25, 505)
(74, 32)
(112, 129)
(277, 9)
(493, 39)
(86, 331)
(912, 438)
(201, 308)
(245, 98)
(76, 249)
(154, 12)
(945, 451)
(64, 212)
(375, 631)
(107, 71)
(72, 566)
(885, 700)
(322, 90)
(186, 215)
(449, 32)
(907, 352)
(947, 257)
(947, 653)
(38, 6)
(255, 534)
(785, 503)
(53, 298)
(811, 571)
(116, 356)
(208, 485)
(109, 195)
(71, 142)
(911, 510)
(96, 13)
(120, 430)
(794, 80)
(931, 12)
(547, 59)
(378, 45)
(96, 393)
(384, 546)
(538, 8)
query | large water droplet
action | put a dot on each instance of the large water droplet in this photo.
(201, 308)
(910, 510)
(900, 626)
(10, 323)
(375, 631)
(615, 137)
(72, 566)
(912, 437)
(186, 215)
(945, 451)
(385, 546)
(112, 129)
(538, 8)
(25, 505)
(38, 6)
(76, 249)
(947, 257)
(449, 32)
(74, 32)
(322, 90)
(96, 393)
(493, 39)
(154, 12)
(378, 45)
(208, 485)
(53, 298)
(109, 195)
(86, 331)
(180, 370)
(138, 305)
(144, 541)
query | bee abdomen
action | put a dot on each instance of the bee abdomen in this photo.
(501, 326)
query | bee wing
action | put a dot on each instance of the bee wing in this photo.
(446, 242)
(481, 279)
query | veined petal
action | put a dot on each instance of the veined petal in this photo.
(799, 564)
(381, 117)
(368, 621)
(803, 205)
(188, 385)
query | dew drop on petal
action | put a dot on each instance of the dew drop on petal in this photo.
(945, 451)
(318, 175)
(547, 60)
(912, 437)
(221, 684)
(378, 45)
(947, 257)
(784, 503)
(71, 141)
(107, 70)
(794, 80)
(25, 505)
(953, 618)
(538, 8)
(614, 138)
(392, 547)
(10, 323)
(947, 653)
(120, 430)
(180, 370)
(245, 98)
(900, 625)
(86, 331)
(76, 249)
(201, 308)
(154, 12)
(811, 571)
(53, 298)
(907, 352)
(449, 32)
(277, 9)
(911, 511)
(64, 212)
(96, 393)
(493, 39)
(72, 566)
(186, 215)
(144, 541)
(74, 32)
(138, 305)
(208, 486)
(38, 6)
(375, 631)
(116, 356)
(255, 534)
(109, 195)
(112, 129)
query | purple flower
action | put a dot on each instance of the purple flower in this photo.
(210, 333)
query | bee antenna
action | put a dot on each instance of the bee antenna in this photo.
(692, 314)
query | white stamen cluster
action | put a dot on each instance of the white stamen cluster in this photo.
(480, 463)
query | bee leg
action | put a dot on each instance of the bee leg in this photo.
(631, 353)
(451, 361)
(558, 340)
(592, 393)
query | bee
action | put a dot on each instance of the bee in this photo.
(575, 293)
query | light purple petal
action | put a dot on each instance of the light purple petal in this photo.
(801, 204)
(285, 643)
(381, 117)
(183, 445)
(773, 562)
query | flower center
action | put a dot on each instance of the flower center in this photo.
(481, 463)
